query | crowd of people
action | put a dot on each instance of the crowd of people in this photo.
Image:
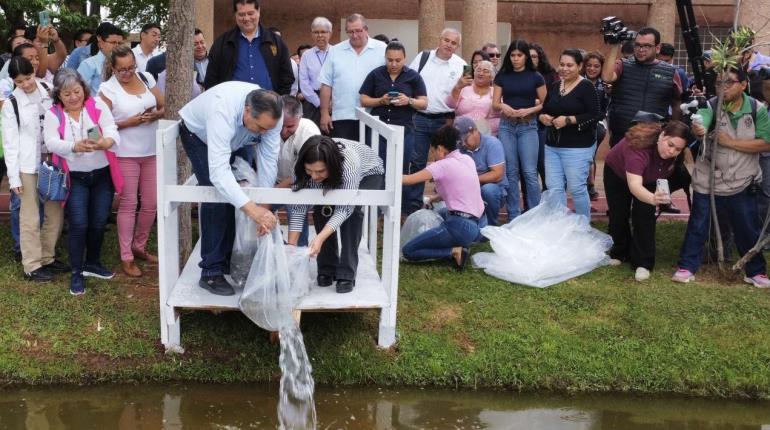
(497, 130)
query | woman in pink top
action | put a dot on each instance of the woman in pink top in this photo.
(472, 96)
(457, 183)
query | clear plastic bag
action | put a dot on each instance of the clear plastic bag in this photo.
(245, 243)
(546, 245)
(271, 292)
(417, 223)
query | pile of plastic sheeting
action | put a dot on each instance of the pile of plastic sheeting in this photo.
(546, 245)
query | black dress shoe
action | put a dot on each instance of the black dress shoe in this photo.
(325, 280)
(217, 285)
(57, 267)
(345, 286)
(40, 275)
(17, 256)
(463, 259)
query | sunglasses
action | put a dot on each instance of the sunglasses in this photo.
(494, 55)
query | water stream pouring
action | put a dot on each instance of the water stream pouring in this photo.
(270, 294)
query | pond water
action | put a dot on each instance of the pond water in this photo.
(237, 406)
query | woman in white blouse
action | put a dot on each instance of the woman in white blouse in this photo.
(81, 133)
(22, 142)
(136, 105)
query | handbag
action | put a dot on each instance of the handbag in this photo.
(52, 182)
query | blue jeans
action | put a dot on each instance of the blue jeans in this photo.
(303, 237)
(15, 208)
(764, 197)
(424, 129)
(493, 196)
(437, 243)
(88, 207)
(520, 143)
(570, 166)
(741, 209)
(217, 219)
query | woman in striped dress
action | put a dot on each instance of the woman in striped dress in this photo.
(324, 163)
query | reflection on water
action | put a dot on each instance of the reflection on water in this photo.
(191, 406)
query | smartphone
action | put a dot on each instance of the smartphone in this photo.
(393, 94)
(94, 133)
(44, 17)
(662, 186)
(467, 70)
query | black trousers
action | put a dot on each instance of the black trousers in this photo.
(633, 242)
(344, 265)
(345, 128)
(311, 112)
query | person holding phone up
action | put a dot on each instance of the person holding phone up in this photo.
(394, 92)
(646, 153)
(137, 105)
(81, 133)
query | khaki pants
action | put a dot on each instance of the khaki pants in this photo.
(38, 243)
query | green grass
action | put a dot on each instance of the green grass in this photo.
(599, 332)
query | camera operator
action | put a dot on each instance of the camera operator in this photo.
(639, 84)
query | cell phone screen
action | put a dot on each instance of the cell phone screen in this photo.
(94, 134)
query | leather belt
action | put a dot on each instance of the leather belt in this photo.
(442, 115)
(465, 215)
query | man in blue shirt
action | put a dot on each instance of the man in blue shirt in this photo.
(91, 69)
(224, 122)
(250, 53)
(487, 152)
(342, 74)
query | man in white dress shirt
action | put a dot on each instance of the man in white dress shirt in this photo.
(226, 121)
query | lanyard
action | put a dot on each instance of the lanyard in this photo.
(326, 53)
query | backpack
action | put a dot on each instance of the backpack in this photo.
(15, 103)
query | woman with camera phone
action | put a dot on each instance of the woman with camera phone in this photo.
(570, 114)
(395, 92)
(94, 173)
(472, 96)
(22, 143)
(136, 105)
(519, 93)
(646, 153)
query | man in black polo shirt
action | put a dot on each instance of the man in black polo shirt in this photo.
(643, 83)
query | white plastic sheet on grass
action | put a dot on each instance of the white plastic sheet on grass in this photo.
(546, 245)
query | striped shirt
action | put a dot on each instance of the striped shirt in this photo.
(360, 161)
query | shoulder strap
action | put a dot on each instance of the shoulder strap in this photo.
(15, 104)
(144, 79)
(423, 60)
(47, 88)
(753, 104)
(712, 102)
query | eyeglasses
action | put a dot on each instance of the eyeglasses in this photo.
(643, 46)
(728, 82)
(357, 31)
(126, 70)
(495, 55)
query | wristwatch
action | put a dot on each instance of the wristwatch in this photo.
(411, 101)
(567, 120)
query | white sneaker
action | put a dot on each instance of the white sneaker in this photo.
(642, 274)
(614, 262)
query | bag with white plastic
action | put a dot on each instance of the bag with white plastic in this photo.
(245, 242)
(546, 245)
(417, 223)
(272, 292)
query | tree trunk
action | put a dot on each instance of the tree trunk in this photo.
(179, 76)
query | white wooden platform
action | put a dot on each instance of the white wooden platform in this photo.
(376, 285)
(369, 292)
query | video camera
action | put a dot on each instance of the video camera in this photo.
(615, 31)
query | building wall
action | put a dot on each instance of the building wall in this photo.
(554, 24)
